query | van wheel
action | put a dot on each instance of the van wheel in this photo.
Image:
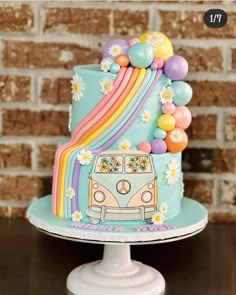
(149, 221)
(94, 220)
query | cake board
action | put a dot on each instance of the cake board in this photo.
(116, 273)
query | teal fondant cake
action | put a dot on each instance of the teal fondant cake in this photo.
(122, 163)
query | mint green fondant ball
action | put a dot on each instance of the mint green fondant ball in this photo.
(141, 55)
(159, 133)
(183, 93)
(114, 68)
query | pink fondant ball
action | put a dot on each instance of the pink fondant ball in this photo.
(133, 41)
(182, 117)
(158, 146)
(115, 47)
(159, 62)
(168, 108)
(145, 147)
(176, 67)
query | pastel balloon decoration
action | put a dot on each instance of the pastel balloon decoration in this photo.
(176, 140)
(122, 60)
(158, 146)
(115, 47)
(114, 68)
(168, 108)
(140, 55)
(159, 133)
(182, 117)
(183, 92)
(159, 62)
(161, 45)
(145, 147)
(176, 67)
(154, 66)
(133, 41)
(166, 122)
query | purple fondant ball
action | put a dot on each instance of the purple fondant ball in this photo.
(176, 67)
(158, 146)
(115, 47)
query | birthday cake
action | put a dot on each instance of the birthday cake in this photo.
(121, 166)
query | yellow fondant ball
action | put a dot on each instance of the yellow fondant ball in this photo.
(166, 122)
(161, 45)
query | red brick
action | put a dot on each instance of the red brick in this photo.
(201, 59)
(55, 91)
(202, 127)
(213, 93)
(130, 23)
(228, 192)
(20, 187)
(230, 128)
(189, 24)
(224, 161)
(77, 20)
(18, 54)
(14, 88)
(16, 18)
(18, 212)
(222, 216)
(15, 155)
(46, 155)
(234, 59)
(26, 122)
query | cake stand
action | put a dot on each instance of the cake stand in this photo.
(116, 273)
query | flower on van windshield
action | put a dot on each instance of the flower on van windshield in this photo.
(163, 208)
(85, 157)
(77, 87)
(146, 116)
(172, 173)
(109, 165)
(158, 218)
(77, 216)
(125, 145)
(138, 164)
(70, 192)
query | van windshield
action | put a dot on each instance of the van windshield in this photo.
(137, 164)
(109, 165)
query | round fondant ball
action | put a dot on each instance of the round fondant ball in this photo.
(114, 68)
(154, 66)
(133, 41)
(176, 67)
(166, 122)
(182, 117)
(158, 146)
(145, 147)
(183, 92)
(176, 140)
(159, 61)
(115, 47)
(168, 108)
(122, 60)
(159, 133)
(140, 55)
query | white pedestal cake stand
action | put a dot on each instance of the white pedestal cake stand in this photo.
(116, 273)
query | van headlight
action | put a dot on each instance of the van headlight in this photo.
(99, 196)
(146, 196)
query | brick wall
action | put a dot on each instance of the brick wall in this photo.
(40, 42)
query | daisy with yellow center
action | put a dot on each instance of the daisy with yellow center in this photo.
(114, 50)
(70, 192)
(166, 94)
(155, 39)
(172, 174)
(77, 216)
(77, 87)
(158, 218)
(163, 208)
(85, 157)
(105, 64)
(125, 145)
(145, 116)
(106, 85)
(176, 136)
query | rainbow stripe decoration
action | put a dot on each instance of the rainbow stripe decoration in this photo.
(102, 127)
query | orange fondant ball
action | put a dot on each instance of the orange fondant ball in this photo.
(122, 60)
(166, 122)
(176, 140)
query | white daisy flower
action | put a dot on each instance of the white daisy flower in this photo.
(163, 208)
(166, 94)
(114, 50)
(146, 116)
(155, 39)
(77, 87)
(172, 174)
(158, 218)
(85, 157)
(77, 216)
(70, 192)
(125, 145)
(176, 135)
(105, 64)
(70, 117)
(106, 85)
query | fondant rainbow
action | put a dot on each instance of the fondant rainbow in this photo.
(106, 123)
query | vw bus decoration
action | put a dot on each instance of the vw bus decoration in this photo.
(122, 186)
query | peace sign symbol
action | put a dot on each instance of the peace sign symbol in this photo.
(123, 187)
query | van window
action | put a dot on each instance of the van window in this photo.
(137, 164)
(109, 165)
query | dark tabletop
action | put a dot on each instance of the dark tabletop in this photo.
(33, 263)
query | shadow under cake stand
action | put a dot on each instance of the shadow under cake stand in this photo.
(116, 273)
